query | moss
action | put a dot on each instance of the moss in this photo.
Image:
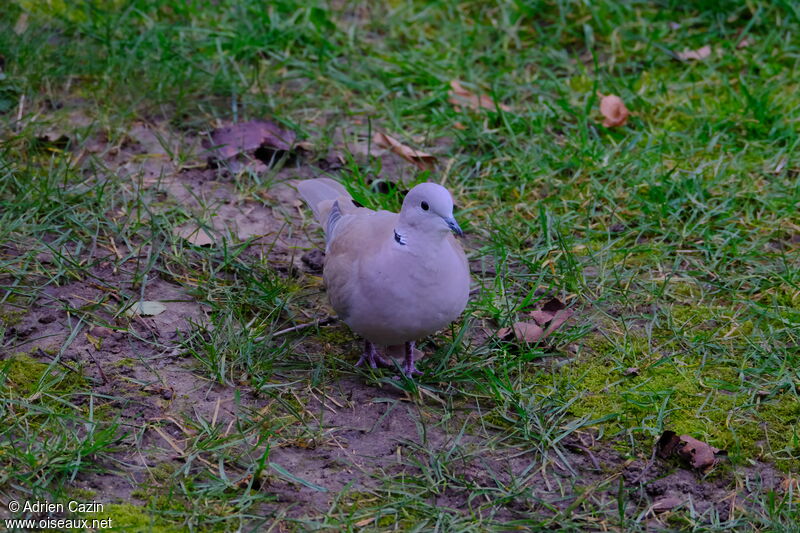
(125, 362)
(10, 318)
(23, 373)
(163, 472)
(687, 395)
(129, 517)
(83, 495)
(338, 335)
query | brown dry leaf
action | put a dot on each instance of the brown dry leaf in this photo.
(194, 235)
(21, 26)
(523, 332)
(700, 53)
(546, 320)
(462, 97)
(422, 160)
(613, 109)
(696, 453)
(248, 138)
(365, 522)
(791, 483)
(665, 504)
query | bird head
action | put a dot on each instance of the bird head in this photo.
(429, 207)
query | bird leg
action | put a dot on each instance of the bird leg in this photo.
(371, 356)
(408, 364)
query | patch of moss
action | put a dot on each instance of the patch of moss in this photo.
(336, 336)
(129, 517)
(687, 395)
(23, 373)
(163, 471)
(9, 318)
(125, 362)
(83, 495)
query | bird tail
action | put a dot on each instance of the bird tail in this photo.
(321, 195)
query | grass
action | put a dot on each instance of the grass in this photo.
(675, 239)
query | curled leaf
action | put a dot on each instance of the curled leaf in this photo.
(614, 111)
(258, 138)
(666, 503)
(461, 97)
(699, 54)
(546, 320)
(422, 160)
(523, 332)
(696, 453)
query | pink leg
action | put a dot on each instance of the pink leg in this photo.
(371, 356)
(408, 364)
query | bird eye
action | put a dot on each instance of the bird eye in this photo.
(425, 206)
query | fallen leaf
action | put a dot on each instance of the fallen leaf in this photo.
(700, 53)
(791, 484)
(194, 235)
(523, 332)
(422, 160)
(667, 443)
(613, 109)
(94, 341)
(462, 97)
(547, 319)
(632, 371)
(696, 453)
(257, 138)
(146, 308)
(665, 504)
(365, 522)
(21, 26)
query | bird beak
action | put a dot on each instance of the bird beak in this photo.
(454, 227)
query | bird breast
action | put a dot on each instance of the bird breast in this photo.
(402, 294)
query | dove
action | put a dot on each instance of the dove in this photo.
(393, 278)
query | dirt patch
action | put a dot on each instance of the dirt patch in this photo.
(347, 434)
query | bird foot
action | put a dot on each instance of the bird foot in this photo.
(410, 370)
(372, 356)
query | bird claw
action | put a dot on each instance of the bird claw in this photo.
(372, 357)
(364, 357)
(411, 370)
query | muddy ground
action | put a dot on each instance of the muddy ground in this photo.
(356, 432)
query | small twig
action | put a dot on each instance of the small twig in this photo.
(21, 108)
(42, 353)
(320, 322)
(589, 453)
(99, 368)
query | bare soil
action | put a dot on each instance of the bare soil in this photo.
(368, 431)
